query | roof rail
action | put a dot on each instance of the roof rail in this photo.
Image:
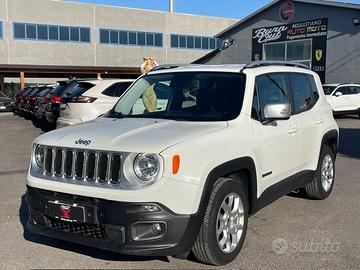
(169, 66)
(261, 63)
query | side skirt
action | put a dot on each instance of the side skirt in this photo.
(284, 187)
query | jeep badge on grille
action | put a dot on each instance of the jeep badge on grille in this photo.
(84, 142)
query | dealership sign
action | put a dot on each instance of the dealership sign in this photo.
(316, 30)
(286, 11)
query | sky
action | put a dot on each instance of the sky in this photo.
(237, 9)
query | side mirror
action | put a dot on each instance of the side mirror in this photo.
(338, 94)
(277, 112)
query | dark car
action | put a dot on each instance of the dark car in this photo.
(20, 98)
(6, 104)
(32, 97)
(41, 103)
(66, 90)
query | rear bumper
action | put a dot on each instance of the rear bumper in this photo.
(114, 226)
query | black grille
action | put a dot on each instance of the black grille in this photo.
(115, 168)
(79, 164)
(48, 160)
(102, 167)
(83, 165)
(68, 163)
(90, 167)
(88, 230)
(58, 162)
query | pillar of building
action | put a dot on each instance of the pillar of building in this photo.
(2, 83)
(22, 80)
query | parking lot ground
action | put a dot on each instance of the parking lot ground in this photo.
(291, 233)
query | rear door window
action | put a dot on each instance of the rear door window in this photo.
(313, 87)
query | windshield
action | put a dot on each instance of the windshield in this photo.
(192, 96)
(328, 89)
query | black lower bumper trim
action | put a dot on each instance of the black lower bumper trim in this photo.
(111, 225)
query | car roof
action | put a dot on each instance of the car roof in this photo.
(102, 85)
(234, 68)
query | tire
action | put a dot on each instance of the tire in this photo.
(207, 247)
(321, 187)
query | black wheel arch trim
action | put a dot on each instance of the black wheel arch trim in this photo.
(245, 164)
(332, 137)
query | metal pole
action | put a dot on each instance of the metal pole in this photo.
(171, 6)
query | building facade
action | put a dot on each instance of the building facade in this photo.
(324, 35)
(45, 37)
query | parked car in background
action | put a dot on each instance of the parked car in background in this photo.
(92, 103)
(33, 96)
(39, 101)
(52, 109)
(6, 104)
(343, 98)
(20, 99)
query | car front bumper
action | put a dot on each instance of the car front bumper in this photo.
(121, 227)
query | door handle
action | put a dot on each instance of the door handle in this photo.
(293, 130)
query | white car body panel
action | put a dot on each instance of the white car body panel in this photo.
(75, 113)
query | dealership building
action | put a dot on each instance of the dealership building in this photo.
(323, 35)
(48, 38)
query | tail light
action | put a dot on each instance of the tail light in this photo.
(56, 99)
(82, 99)
(32, 98)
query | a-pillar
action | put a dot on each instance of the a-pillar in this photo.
(22, 80)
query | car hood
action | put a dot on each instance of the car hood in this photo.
(128, 134)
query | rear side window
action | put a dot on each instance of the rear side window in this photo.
(354, 90)
(269, 89)
(110, 91)
(117, 89)
(313, 87)
(122, 88)
(302, 94)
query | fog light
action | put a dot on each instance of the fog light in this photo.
(142, 231)
(157, 228)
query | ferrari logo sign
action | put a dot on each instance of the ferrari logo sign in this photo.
(318, 54)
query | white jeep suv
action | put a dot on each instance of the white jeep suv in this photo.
(343, 98)
(185, 176)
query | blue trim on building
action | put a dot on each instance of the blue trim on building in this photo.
(191, 42)
(1, 30)
(30, 31)
(132, 38)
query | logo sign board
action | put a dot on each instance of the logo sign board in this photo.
(315, 30)
(287, 11)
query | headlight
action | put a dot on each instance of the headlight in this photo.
(147, 167)
(39, 156)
